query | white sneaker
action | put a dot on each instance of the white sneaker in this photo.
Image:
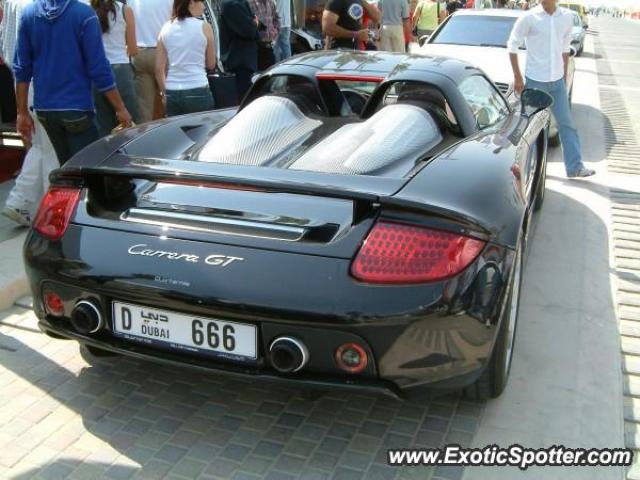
(17, 215)
(582, 173)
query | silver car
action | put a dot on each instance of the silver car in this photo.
(578, 33)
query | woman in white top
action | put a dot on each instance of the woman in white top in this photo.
(119, 39)
(186, 48)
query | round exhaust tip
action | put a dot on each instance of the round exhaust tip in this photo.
(86, 317)
(288, 354)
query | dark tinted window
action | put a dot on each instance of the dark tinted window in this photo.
(297, 88)
(475, 30)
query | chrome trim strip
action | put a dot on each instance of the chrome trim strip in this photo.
(212, 224)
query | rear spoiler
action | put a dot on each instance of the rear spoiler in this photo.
(369, 189)
(277, 179)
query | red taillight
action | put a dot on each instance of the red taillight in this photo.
(55, 211)
(398, 253)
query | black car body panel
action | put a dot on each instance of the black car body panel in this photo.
(417, 334)
(272, 246)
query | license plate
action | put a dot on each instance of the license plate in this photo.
(180, 331)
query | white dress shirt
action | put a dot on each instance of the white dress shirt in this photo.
(150, 16)
(547, 37)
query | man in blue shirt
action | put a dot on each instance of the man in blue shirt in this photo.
(60, 48)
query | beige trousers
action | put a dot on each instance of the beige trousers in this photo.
(149, 100)
(392, 38)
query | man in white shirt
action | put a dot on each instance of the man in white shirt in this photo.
(546, 30)
(150, 16)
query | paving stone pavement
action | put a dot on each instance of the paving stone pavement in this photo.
(621, 137)
(62, 417)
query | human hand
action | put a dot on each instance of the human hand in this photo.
(124, 118)
(363, 35)
(25, 127)
(518, 84)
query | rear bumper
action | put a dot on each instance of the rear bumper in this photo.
(438, 336)
(302, 381)
(410, 358)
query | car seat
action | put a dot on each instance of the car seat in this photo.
(430, 99)
(305, 96)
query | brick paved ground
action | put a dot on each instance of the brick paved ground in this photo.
(121, 418)
(618, 75)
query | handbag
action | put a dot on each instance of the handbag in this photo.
(223, 87)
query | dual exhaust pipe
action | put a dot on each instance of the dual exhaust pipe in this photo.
(286, 354)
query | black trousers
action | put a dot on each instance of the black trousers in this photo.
(243, 81)
(266, 57)
(7, 95)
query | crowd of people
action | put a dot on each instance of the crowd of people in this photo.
(83, 68)
(391, 25)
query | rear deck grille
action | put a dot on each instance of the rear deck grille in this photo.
(503, 87)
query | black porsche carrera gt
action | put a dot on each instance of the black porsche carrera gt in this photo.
(359, 221)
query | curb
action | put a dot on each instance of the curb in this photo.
(13, 279)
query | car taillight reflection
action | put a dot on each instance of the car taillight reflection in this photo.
(396, 253)
(55, 211)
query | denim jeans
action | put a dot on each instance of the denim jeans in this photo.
(105, 115)
(566, 128)
(180, 102)
(282, 47)
(69, 131)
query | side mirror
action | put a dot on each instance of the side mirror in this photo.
(533, 101)
(585, 26)
(572, 52)
(423, 39)
(254, 78)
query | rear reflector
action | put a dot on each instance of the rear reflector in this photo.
(53, 303)
(55, 211)
(400, 254)
(351, 358)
